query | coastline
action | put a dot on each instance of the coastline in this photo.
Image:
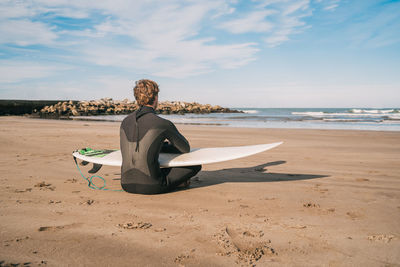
(193, 113)
(323, 197)
(287, 118)
(213, 125)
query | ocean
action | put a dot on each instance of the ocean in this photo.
(299, 118)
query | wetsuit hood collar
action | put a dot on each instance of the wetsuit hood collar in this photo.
(144, 110)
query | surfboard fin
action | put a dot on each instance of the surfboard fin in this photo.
(96, 168)
(84, 163)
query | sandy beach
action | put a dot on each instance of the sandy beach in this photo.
(323, 198)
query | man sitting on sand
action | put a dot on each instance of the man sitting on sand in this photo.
(142, 138)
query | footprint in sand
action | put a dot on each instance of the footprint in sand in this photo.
(59, 227)
(297, 226)
(181, 258)
(383, 238)
(10, 264)
(362, 180)
(23, 191)
(20, 201)
(134, 225)
(354, 215)
(19, 239)
(44, 186)
(234, 200)
(268, 198)
(247, 245)
(87, 202)
(311, 205)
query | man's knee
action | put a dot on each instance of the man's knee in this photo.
(196, 169)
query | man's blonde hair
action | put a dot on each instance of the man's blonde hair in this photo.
(145, 92)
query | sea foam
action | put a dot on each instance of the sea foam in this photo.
(373, 111)
(250, 111)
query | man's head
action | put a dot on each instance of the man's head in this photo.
(146, 93)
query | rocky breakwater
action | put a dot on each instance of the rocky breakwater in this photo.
(108, 106)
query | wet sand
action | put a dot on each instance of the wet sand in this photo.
(324, 197)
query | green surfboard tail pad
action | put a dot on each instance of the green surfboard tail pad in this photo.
(95, 152)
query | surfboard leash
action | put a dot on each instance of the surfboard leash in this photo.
(90, 180)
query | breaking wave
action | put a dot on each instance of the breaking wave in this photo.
(250, 111)
(321, 118)
(373, 111)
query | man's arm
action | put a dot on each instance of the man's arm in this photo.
(177, 139)
(168, 148)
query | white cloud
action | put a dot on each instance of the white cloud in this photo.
(276, 19)
(162, 38)
(164, 42)
(332, 5)
(189, 57)
(16, 71)
(253, 22)
(299, 5)
(25, 32)
(14, 9)
(289, 21)
(278, 38)
(288, 26)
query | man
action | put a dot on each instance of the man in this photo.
(142, 138)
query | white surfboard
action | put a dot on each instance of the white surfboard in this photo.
(196, 156)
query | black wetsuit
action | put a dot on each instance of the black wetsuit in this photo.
(142, 138)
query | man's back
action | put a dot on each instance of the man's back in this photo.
(142, 135)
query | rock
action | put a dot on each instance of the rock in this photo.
(109, 106)
(74, 112)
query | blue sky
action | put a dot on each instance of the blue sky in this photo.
(254, 53)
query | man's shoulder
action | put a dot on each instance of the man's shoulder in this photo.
(161, 121)
(128, 119)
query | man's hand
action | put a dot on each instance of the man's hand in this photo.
(167, 147)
